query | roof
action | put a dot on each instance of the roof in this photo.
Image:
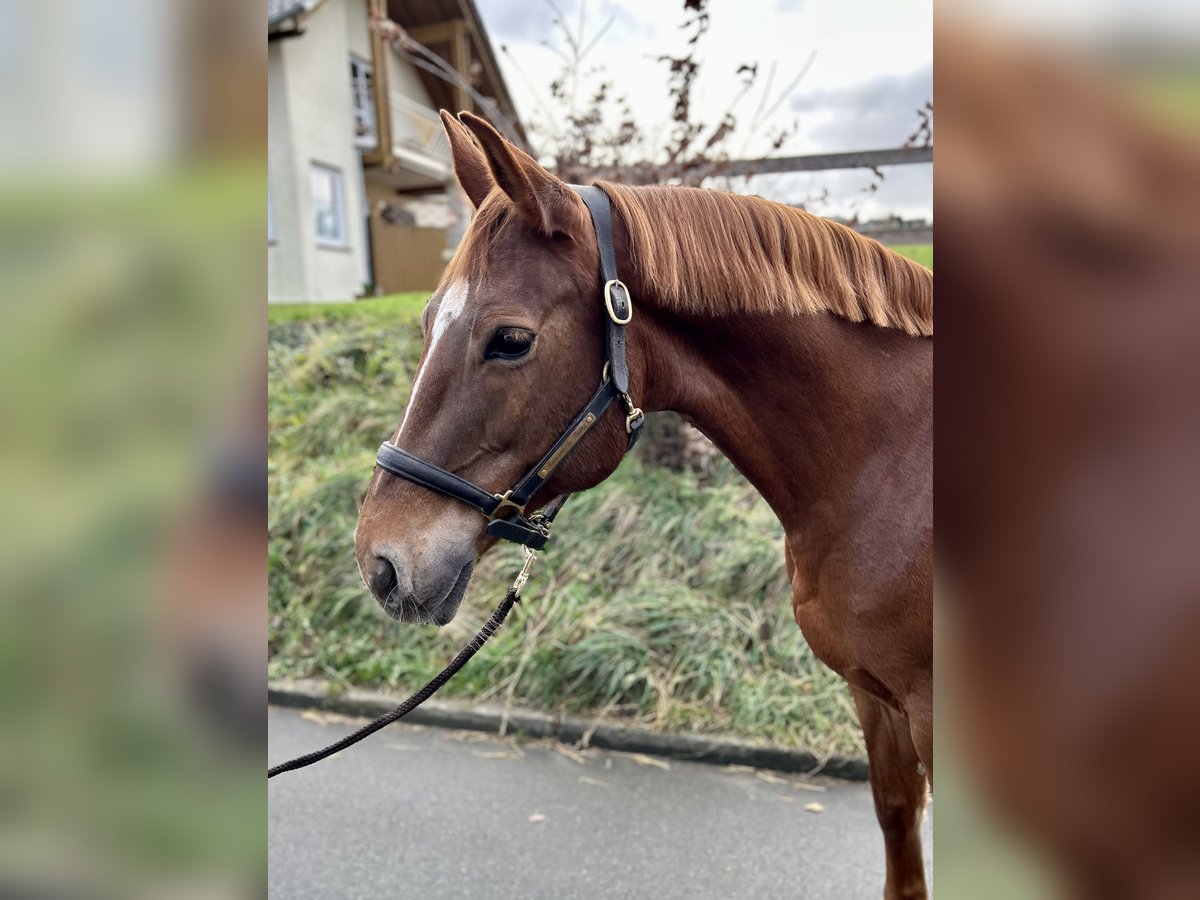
(280, 10)
(415, 13)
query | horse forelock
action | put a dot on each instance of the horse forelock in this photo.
(474, 256)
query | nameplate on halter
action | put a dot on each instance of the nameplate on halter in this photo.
(572, 439)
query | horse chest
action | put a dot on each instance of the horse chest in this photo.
(816, 606)
(855, 623)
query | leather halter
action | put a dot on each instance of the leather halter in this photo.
(507, 518)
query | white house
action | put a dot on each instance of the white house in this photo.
(361, 197)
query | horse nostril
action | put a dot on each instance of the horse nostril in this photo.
(381, 577)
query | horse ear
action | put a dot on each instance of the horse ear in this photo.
(470, 165)
(544, 201)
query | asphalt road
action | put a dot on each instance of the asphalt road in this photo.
(428, 813)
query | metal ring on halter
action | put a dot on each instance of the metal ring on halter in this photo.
(608, 303)
(635, 415)
(506, 503)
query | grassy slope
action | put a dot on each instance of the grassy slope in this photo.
(662, 598)
(384, 311)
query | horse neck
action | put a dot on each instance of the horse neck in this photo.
(816, 411)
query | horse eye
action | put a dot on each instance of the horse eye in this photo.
(509, 343)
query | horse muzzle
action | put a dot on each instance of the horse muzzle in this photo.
(430, 595)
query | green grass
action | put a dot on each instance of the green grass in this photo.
(1174, 96)
(922, 253)
(392, 308)
(662, 599)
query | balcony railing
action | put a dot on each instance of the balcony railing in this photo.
(362, 88)
(417, 127)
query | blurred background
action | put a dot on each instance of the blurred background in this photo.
(815, 111)
(1068, 198)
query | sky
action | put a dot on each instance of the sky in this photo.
(871, 68)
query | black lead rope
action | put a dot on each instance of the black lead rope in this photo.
(464, 655)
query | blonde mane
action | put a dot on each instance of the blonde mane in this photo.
(717, 253)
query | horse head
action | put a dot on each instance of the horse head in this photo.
(512, 351)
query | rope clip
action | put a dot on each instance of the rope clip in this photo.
(523, 575)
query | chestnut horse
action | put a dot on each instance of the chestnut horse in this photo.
(802, 349)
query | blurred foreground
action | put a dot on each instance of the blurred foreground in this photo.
(1068, 484)
(132, 451)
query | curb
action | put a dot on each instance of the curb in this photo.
(721, 751)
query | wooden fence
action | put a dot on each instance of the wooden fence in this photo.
(405, 257)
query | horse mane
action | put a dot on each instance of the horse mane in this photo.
(717, 253)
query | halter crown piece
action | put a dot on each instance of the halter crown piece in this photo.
(506, 512)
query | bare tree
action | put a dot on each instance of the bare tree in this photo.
(922, 136)
(585, 130)
(594, 134)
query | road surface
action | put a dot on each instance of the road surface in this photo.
(429, 813)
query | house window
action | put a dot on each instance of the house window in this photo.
(364, 97)
(329, 209)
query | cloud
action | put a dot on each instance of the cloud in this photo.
(879, 112)
(906, 191)
(523, 21)
(516, 20)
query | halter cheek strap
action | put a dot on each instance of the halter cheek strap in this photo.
(616, 296)
(507, 518)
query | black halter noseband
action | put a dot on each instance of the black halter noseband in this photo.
(507, 518)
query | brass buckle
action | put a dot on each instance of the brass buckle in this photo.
(633, 413)
(506, 502)
(538, 521)
(608, 286)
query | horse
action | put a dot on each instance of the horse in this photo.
(802, 349)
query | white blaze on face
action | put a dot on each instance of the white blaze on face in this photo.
(454, 301)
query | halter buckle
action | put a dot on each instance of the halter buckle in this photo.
(633, 413)
(506, 502)
(608, 302)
